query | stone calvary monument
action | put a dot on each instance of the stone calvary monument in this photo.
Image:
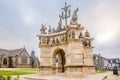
(66, 49)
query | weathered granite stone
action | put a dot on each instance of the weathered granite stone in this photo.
(68, 51)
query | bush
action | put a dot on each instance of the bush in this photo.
(5, 77)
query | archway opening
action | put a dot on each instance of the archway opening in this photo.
(59, 61)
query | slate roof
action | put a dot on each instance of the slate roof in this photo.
(113, 60)
(11, 52)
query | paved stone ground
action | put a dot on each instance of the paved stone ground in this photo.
(100, 76)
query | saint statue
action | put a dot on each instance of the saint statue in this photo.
(43, 29)
(59, 27)
(74, 19)
(53, 30)
(87, 34)
(49, 30)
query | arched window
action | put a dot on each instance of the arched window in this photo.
(5, 61)
(73, 34)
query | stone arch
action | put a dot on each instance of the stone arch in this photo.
(5, 61)
(59, 60)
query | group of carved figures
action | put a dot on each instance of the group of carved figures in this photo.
(56, 40)
(60, 27)
(53, 40)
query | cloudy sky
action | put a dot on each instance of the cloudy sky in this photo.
(20, 22)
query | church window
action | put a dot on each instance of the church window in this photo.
(5, 61)
(24, 59)
(73, 34)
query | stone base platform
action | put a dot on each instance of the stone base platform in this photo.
(62, 77)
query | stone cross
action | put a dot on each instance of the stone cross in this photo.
(65, 12)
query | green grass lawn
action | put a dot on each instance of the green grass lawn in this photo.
(99, 71)
(19, 71)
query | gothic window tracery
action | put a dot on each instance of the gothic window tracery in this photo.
(23, 59)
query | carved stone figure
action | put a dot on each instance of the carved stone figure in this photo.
(43, 29)
(64, 28)
(74, 19)
(81, 35)
(53, 41)
(87, 34)
(49, 30)
(73, 34)
(59, 27)
(57, 41)
(54, 30)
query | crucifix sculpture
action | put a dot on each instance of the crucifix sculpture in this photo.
(66, 13)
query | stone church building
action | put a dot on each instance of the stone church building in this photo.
(67, 48)
(18, 58)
